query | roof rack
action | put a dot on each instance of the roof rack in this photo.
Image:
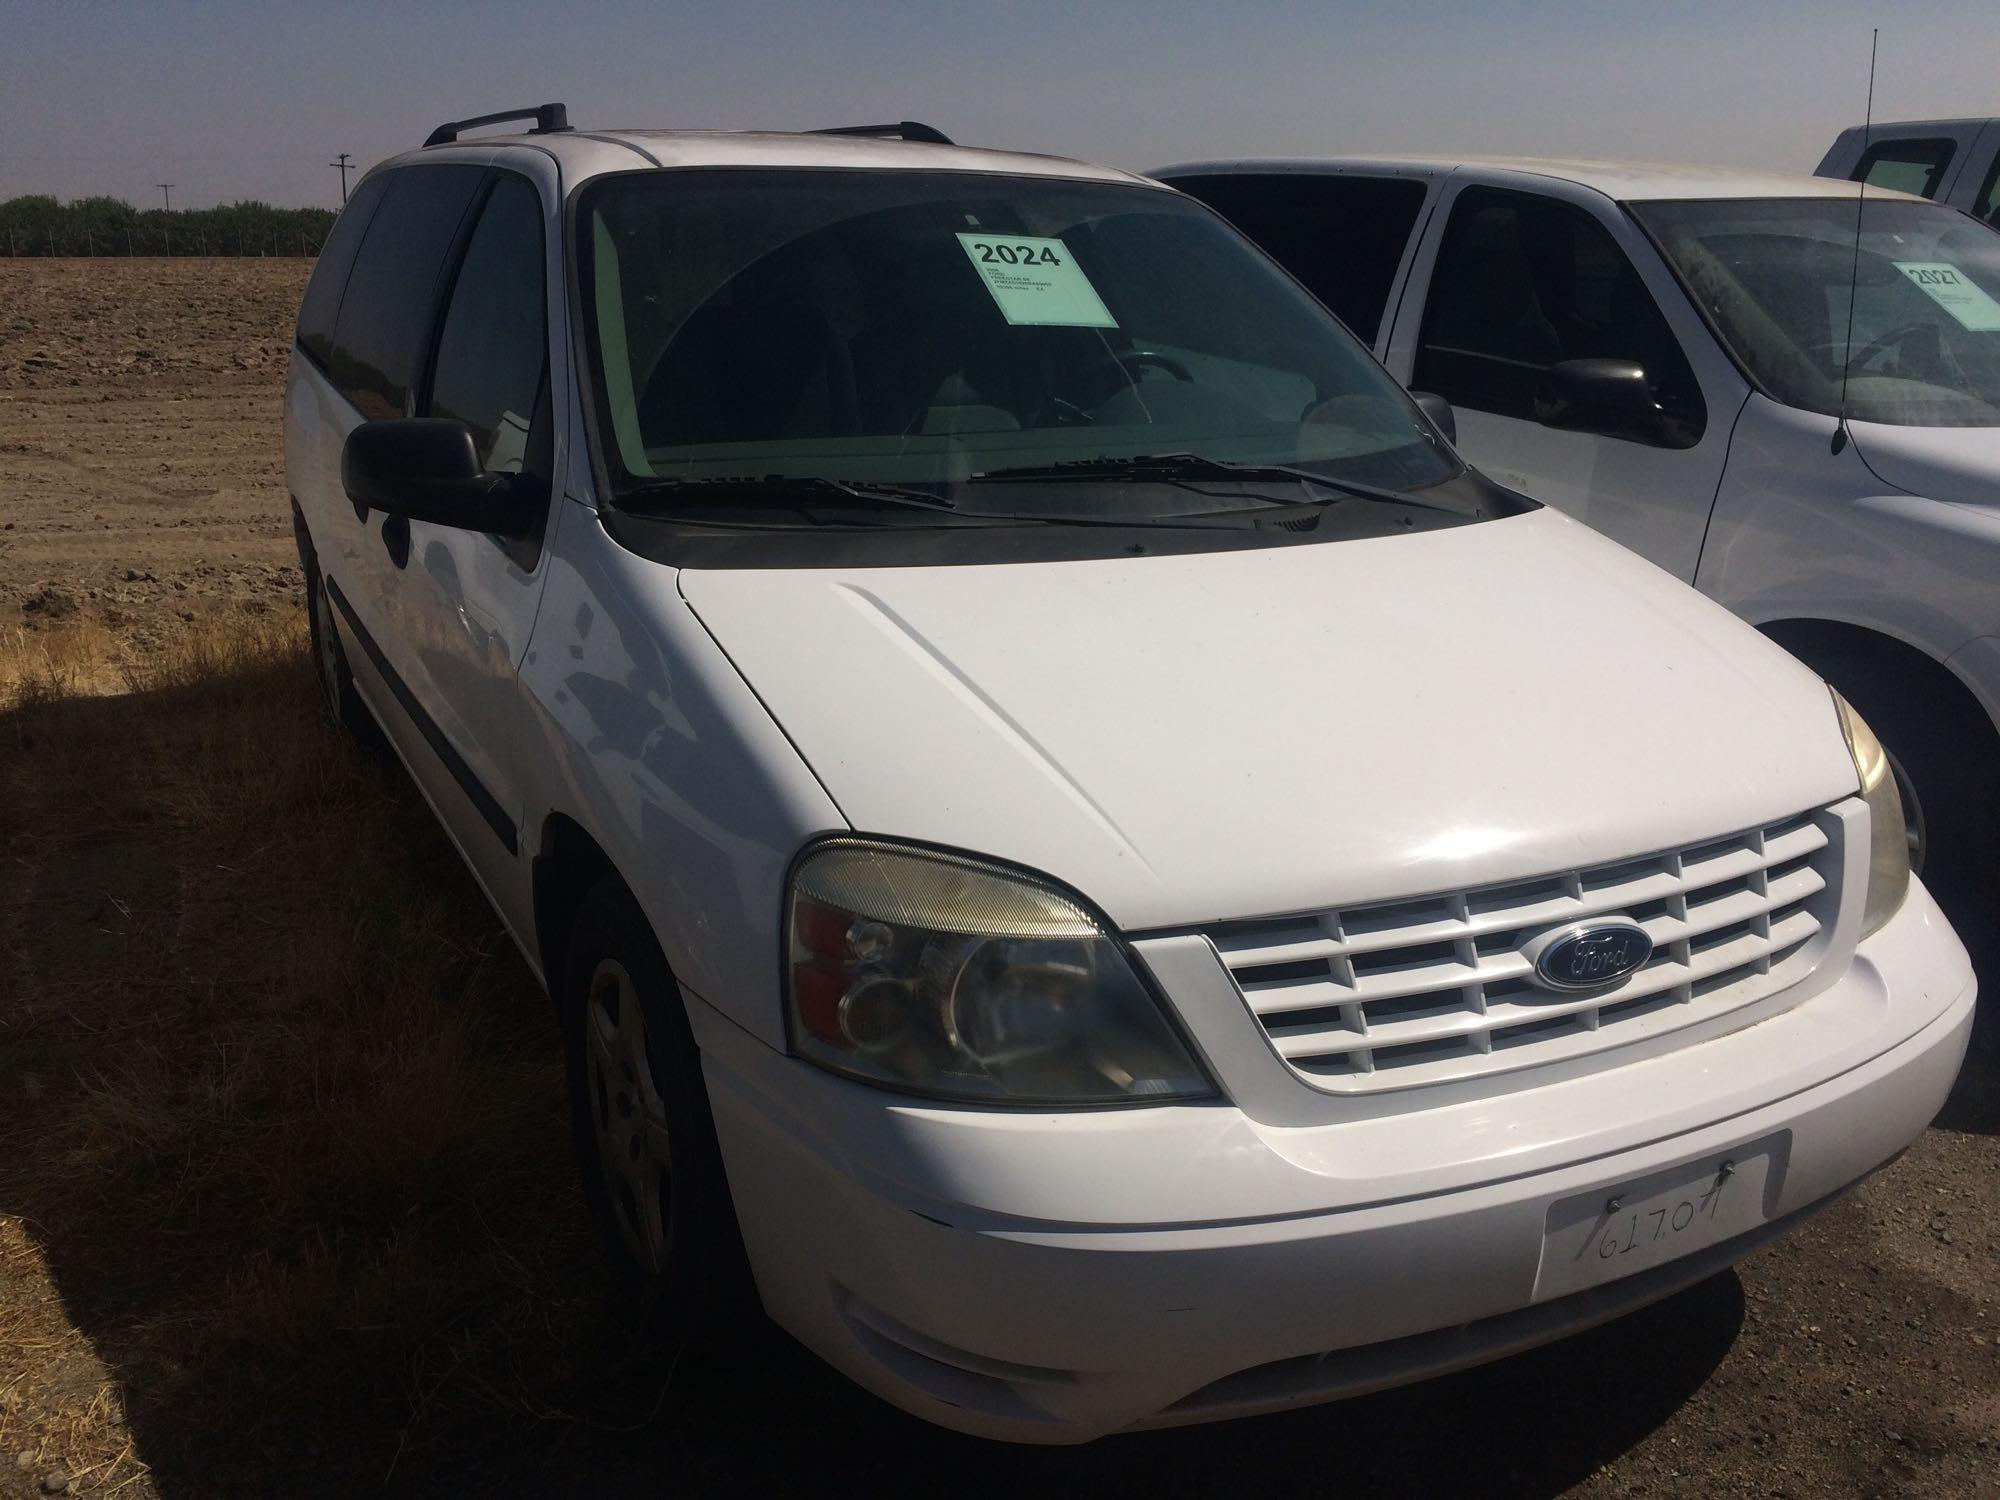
(902, 130)
(547, 118)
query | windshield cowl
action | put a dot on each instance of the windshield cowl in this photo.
(815, 534)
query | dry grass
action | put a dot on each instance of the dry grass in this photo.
(283, 1163)
(79, 658)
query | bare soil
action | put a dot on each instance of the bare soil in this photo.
(286, 1205)
(141, 481)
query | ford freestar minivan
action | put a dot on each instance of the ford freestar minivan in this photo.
(1046, 793)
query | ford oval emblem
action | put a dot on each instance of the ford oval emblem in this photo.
(1589, 955)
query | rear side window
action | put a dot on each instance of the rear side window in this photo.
(1343, 237)
(385, 316)
(493, 347)
(321, 307)
(1912, 166)
(1525, 282)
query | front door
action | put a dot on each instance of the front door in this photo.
(466, 600)
(445, 313)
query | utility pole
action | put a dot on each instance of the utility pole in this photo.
(166, 194)
(343, 162)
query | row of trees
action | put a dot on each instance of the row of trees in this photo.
(39, 225)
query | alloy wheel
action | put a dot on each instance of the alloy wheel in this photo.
(634, 1149)
(329, 647)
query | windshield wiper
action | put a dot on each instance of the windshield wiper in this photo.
(816, 484)
(889, 494)
(1188, 470)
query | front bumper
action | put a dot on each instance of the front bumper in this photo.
(1052, 1277)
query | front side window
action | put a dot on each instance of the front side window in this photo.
(1914, 166)
(1776, 278)
(1524, 283)
(1342, 236)
(492, 345)
(936, 330)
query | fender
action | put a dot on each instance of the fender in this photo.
(647, 736)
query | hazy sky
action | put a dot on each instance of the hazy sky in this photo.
(235, 99)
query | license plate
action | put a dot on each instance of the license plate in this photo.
(1616, 1230)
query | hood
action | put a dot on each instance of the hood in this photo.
(1960, 464)
(1184, 738)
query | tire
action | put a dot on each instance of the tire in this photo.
(336, 682)
(645, 1139)
(1945, 758)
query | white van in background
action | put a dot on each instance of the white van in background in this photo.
(1658, 350)
(1956, 162)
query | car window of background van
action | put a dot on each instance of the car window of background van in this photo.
(1909, 166)
(1343, 237)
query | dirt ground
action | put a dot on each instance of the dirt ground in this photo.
(140, 478)
(272, 1223)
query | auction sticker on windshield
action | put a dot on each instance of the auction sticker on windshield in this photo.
(1600, 1236)
(1036, 281)
(1952, 290)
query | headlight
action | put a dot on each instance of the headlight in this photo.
(1888, 839)
(944, 976)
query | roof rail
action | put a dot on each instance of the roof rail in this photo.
(547, 118)
(902, 130)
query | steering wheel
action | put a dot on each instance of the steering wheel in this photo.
(1893, 339)
(1134, 360)
(1130, 364)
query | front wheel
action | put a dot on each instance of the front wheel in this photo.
(336, 682)
(645, 1140)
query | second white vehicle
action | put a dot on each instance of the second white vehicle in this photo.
(1956, 162)
(1045, 793)
(1666, 352)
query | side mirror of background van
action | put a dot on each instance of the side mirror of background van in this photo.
(427, 469)
(1609, 396)
(1438, 410)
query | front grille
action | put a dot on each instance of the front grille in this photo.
(1414, 992)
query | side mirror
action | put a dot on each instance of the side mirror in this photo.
(1438, 410)
(427, 469)
(1610, 396)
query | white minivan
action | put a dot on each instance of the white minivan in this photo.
(1659, 351)
(1952, 161)
(1047, 796)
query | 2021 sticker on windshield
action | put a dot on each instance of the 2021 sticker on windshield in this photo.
(1954, 291)
(1035, 281)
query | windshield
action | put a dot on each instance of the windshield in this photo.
(1773, 276)
(924, 330)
